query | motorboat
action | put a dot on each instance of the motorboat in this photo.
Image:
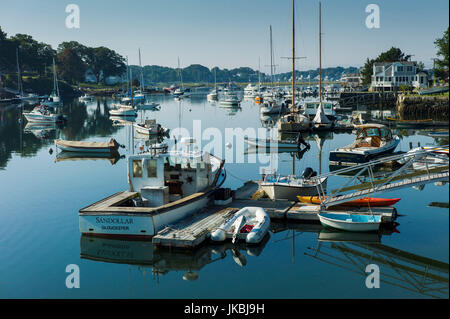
(361, 202)
(86, 98)
(290, 186)
(271, 106)
(213, 95)
(88, 147)
(44, 114)
(163, 188)
(122, 110)
(150, 127)
(250, 224)
(372, 140)
(230, 100)
(351, 222)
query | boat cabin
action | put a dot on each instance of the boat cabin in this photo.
(372, 135)
(310, 108)
(168, 177)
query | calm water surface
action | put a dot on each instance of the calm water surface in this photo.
(41, 196)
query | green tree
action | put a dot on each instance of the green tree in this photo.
(105, 62)
(442, 62)
(70, 66)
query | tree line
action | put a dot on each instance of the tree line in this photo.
(72, 58)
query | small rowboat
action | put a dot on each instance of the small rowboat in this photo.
(91, 147)
(250, 224)
(411, 123)
(351, 222)
(361, 202)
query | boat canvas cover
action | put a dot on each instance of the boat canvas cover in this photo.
(321, 117)
(112, 144)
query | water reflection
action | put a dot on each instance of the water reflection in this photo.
(84, 121)
(163, 261)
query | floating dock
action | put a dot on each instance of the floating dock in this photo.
(194, 230)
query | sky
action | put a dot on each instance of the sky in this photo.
(235, 33)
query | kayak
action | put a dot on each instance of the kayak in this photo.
(361, 202)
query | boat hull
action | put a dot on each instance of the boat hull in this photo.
(330, 220)
(287, 191)
(137, 225)
(349, 158)
(362, 202)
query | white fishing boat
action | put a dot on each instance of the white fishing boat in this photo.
(372, 140)
(43, 114)
(88, 147)
(351, 222)
(165, 187)
(290, 186)
(150, 127)
(250, 224)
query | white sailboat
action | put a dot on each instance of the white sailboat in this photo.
(27, 98)
(54, 99)
(321, 120)
(214, 94)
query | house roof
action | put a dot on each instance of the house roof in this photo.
(402, 62)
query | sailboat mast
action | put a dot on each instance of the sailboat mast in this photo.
(320, 53)
(19, 76)
(259, 74)
(142, 73)
(55, 81)
(181, 74)
(293, 54)
(271, 57)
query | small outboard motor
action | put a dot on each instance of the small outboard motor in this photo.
(308, 173)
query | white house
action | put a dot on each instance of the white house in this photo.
(351, 80)
(389, 76)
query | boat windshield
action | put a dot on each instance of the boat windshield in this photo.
(368, 132)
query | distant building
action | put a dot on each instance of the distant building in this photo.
(389, 76)
(351, 80)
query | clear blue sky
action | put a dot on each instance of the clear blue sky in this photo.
(232, 33)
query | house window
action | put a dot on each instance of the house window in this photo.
(396, 79)
(409, 68)
(400, 68)
(151, 168)
(137, 168)
(379, 69)
(421, 79)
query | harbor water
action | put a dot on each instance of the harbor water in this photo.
(42, 192)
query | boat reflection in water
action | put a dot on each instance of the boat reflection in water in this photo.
(354, 251)
(113, 157)
(162, 261)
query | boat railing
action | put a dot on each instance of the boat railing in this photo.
(403, 177)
